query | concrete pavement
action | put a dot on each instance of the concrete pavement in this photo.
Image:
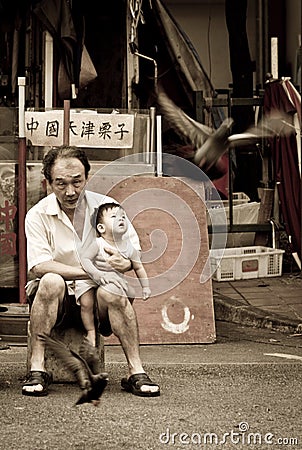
(249, 378)
(240, 383)
(270, 302)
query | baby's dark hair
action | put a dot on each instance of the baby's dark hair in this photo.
(97, 216)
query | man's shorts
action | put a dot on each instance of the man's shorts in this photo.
(69, 314)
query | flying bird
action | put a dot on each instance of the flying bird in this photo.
(212, 144)
(92, 385)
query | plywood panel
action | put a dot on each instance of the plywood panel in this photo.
(170, 218)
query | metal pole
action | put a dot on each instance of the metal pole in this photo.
(159, 151)
(22, 192)
(274, 57)
(48, 70)
(148, 143)
(152, 133)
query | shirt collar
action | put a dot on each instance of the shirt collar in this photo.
(53, 207)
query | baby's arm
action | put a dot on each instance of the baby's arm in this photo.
(142, 276)
(87, 258)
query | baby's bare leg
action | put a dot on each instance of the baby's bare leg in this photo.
(87, 315)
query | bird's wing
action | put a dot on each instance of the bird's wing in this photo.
(276, 124)
(84, 398)
(195, 131)
(215, 146)
(74, 362)
(94, 393)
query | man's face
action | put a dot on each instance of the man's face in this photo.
(67, 182)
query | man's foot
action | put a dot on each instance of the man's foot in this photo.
(4, 347)
(90, 354)
(140, 384)
(37, 383)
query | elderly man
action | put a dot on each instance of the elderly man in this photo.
(53, 261)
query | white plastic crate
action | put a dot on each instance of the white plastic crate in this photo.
(238, 199)
(241, 263)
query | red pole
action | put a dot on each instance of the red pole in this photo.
(21, 218)
(22, 192)
(66, 122)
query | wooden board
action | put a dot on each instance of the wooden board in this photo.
(170, 218)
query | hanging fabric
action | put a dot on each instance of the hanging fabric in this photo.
(66, 25)
(285, 159)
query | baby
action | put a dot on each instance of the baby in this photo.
(111, 225)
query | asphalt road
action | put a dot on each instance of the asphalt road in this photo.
(226, 395)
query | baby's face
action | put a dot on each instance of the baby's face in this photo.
(114, 221)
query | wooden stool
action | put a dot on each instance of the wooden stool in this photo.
(72, 337)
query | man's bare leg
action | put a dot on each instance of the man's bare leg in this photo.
(122, 317)
(43, 317)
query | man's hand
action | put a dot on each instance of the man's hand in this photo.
(101, 264)
(117, 261)
(104, 278)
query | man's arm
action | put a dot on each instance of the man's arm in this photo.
(40, 251)
(69, 273)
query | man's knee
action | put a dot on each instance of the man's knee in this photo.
(51, 285)
(111, 295)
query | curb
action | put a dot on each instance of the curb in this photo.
(229, 310)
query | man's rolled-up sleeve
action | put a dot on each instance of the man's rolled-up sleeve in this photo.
(38, 241)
